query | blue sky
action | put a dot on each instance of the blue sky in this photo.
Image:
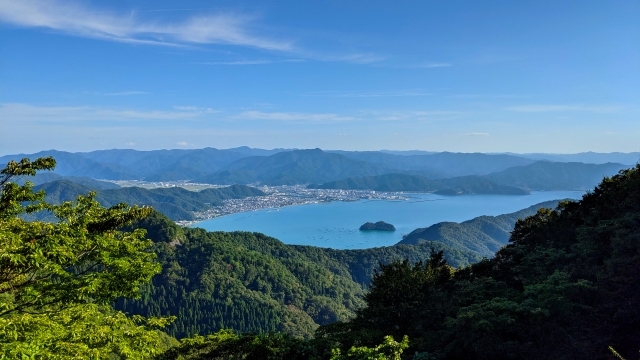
(517, 76)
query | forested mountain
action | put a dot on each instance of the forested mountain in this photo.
(387, 182)
(588, 157)
(177, 203)
(566, 286)
(473, 184)
(293, 167)
(251, 282)
(544, 175)
(195, 164)
(483, 235)
(441, 165)
(42, 178)
(462, 185)
(274, 167)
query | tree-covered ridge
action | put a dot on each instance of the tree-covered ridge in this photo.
(251, 282)
(566, 286)
(483, 235)
(548, 176)
(386, 182)
(293, 167)
(462, 185)
(177, 203)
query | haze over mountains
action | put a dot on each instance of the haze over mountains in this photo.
(287, 167)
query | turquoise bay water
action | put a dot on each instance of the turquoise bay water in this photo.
(335, 225)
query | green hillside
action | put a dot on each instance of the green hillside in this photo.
(472, 184)
(483, 235)
(549, 176)
(251, 282)
(177, 203)
(462, 185)
(387, 182)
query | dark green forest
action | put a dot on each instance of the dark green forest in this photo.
(252, 282)
(564, 286)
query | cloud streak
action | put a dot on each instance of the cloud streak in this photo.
(292, 116)
(358, 94)
(13, 112)
(76, 20)
(557, 108)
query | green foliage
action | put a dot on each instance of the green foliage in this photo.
(58, 279)
(564, 287)
(388, 350)
(226, 345)
(249, 282)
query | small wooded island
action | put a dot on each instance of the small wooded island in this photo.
(380, 225)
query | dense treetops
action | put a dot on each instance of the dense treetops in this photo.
(58, 279)
(566, 286)
(251, 282)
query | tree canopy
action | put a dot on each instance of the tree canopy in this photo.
(58, 279)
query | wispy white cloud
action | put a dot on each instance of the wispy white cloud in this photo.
(24, 112)
(435, 65)
(556, 108)
(127, 93)
(419, 115)
(242, 62)
(130, 143)
(367, 94)
(292, 116)
(197, 109)
(477, 134)
(249, 62)
(77, 20)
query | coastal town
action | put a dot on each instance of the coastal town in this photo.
(276, 197)
(280, 196)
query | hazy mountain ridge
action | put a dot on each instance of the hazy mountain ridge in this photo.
(290, 166)
(294, 167)
(548, 176)
(462, 185)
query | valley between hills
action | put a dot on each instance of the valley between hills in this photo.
(438, 285)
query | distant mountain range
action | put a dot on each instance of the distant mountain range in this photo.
(176, 203)
(517, 180)
(294, 167)
(544, 175)
(244, 165)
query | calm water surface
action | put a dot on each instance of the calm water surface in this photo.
(335, 225)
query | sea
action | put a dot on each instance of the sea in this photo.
(336, 224)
